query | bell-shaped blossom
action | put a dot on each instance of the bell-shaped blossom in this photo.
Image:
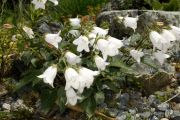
(82, 43)
(29, 32)
(99, 31)
(166, 34)
(75, 22)
(39, 4)
(49, 75)
(82, 84)
(72, 58)
(130, 22)
(54, 1)
(176, 31)
(115, 41)
(92, 38)
(159, 42)
(71, 76)
(53, 39)
(109, 47)
(102, 45)
(136, 55)
(100, 62)
(75, 33)
(88, 75)
(161, 57)
(71, 96)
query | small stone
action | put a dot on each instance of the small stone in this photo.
(132, 111)
(151, 99)
(168, 113)
(164, 119)
(145, 115)
(124, 99)
(121, 116)
(175, 114)
(163, 106)
(6, 106)
(153, 110)
(113, 112)
(154, 118)
(176, 118)
(159, 114)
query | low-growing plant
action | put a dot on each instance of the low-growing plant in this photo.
(75, 65)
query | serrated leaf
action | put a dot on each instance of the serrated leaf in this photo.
(29, 77)
(48, 98)
(89, 105)
(61, 99)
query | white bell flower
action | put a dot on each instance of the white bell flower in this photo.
(109, 47)
(161, 57)
(82, 43)
(102, 45)
(166, 34)
(99, 31)
(136, 55)
(100, 62)
(115, 41)
(130, 22)
(176, 31)
(92, 38)
(71, 96)
(54, 1)
(88, 75)
(71, 76)
(49, 75)
(159, 42)
(82, 84)
(39, 4)
(29, 32)
(75, 22)
(53, 39)
(72, 58)
(75, 33)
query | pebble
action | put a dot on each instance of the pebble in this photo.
(168, 113)
(145, 115)
(124, 99)
(163, 106)
(159, 114)
(6, 106)
(154, 118)
(164, 119)
(113, 112)
(121, 116)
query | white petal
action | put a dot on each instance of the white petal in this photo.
(100, 63)
(74, 32)
(82, 44)
(161, 57)
(54, 1)
(131, 22)
(72, 58)
(39, 4)
(136, 55)
(115, 41)
(99, 31)
(75, 22)
(176, 31)
(53, 39)
(166, 34)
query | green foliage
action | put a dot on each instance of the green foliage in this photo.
(79, 7)
(172, 5)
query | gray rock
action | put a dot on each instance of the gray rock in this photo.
(175, 114)
(159, 114)
(154, 118)
(146, 18)
(122, 116)
(124, 99)
(163, 107)
(145, 115)
(151, 99)
(168, 113)
(132, 111)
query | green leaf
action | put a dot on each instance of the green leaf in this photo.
(61, 99)
(112, 86)
(99, 97)
(116, 62)
(28, 77)
(48, 98)
(89, 105)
